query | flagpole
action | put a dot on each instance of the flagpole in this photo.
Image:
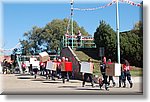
(72, 21)
(117, 28)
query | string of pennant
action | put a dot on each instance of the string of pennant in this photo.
(131, 2)
(3, 50)
(91, 9)
(109, 4)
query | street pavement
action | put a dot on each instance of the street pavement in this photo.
(26, 84)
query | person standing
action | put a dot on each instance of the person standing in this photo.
(86, 75)
(79, 37)
(127, 75)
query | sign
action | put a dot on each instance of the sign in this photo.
(113, 69)
(63, 66)
(27, 63)
(68, 66)
(86, 67)
(51, 65)
(101, 51)
(44, 56)
(32, 60)
(35, 64)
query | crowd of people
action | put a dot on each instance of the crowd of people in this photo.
(106, 80)
(60, 73)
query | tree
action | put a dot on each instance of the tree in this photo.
(131, 48)
(105, 37)
(131, 43)
(49, 37)
(33, 41)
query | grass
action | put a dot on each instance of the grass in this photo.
(135, 71)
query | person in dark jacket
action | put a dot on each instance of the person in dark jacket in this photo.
(103, 71)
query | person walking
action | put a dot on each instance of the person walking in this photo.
(59, 68)
(63, 72)
(103, 71)
(41, 68)
(23, 67)
(86, 75)
(111, 77)
(127, 75)
(53, 74)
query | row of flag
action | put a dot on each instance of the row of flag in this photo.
(109, 4)
(131, 2)
(91, 9)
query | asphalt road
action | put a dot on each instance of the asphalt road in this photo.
(26, 84)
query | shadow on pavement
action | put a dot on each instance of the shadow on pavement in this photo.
(22, 75)
(74, 82)
(52, 82)
(88, 89)
(38, 80)
(24, 78)
(67, 87)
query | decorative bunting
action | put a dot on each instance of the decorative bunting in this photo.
(131, 3)
(109, 4)
(91, 9)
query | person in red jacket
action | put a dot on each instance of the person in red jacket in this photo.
(126, 71)
(23, 67)
(42, 65)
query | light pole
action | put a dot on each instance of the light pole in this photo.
(72, 20)
(117, 28)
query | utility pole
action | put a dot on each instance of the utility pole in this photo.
(117, 25)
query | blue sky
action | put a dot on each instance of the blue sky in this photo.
(20, 17)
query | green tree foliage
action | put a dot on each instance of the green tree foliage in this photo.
(131, 48)
(49, 37)
(33, 41)
(106, 37)
(131, 43)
